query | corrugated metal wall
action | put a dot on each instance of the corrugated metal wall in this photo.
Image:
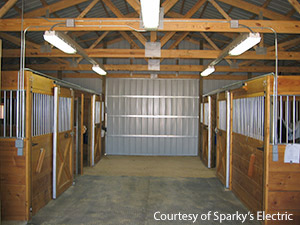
(152, 117)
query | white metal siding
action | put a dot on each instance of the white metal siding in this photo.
(152, 117)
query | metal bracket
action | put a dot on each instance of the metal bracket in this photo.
(19, 144)
(70, 23)
(234, 24)
(275, 153)
(261, 50)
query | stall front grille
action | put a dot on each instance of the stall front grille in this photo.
(64, 121)
(8, 111)
(288, 123)
(222, 115)
(97, 111)
(42, 114)
(248, 117)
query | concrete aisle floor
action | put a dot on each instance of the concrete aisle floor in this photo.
(100, 199)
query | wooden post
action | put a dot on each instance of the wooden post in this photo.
(28, 143)
(266, 145)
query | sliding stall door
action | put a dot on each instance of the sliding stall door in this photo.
(63, 155)
(221, 139)
(95, 150)
(152, 117)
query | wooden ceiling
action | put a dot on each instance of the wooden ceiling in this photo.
(203, 23)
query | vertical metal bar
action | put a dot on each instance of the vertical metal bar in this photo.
(287, 119)
(55, 135)
(228, 131)
(294, 118)
(10, 113)
(209, 133)
(4, 114)
(280, 120)
(93, 129)
(23, 111)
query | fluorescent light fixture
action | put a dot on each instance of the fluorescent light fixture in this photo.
(56, 39)
(207, 71)
(150, 14)
(245, 42)
(99, 70)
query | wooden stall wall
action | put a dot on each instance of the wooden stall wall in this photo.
(284, 188)
(247, 171)
(13, 181)
(282, 191)
(247, 163)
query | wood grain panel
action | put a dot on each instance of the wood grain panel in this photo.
(284, 200)
(248, 189)
(221, 156)
(41, 181)
(12, 176)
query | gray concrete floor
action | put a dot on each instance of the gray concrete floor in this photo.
(96, 200)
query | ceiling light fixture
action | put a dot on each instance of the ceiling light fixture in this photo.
(99, 70)
(59, 41)
(150, 14)
(207, 71)
(243, 43)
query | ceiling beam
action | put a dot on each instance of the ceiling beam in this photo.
(138, 67)
(53, 8)
(295, 4)
(142, 75)
(7, 6)
(165, 53)
(256, 9)
(170, 24)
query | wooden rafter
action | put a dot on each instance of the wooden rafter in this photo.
(168, 4)
(176, 25)
(256, 9)
(189, 14)
(17, 41)
(213, 45)
(118, 13)
(88, 8)
(139, 67)
(18, 10)
(100, 38)
(135, 4)
(170, 53)
(7, 6)
(53, 8)
(223, 13)
(295, 4)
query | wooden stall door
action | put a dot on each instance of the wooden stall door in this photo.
(205, 145)
(64, 156)
(95, 148)
(221, 156)
(97, 153)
